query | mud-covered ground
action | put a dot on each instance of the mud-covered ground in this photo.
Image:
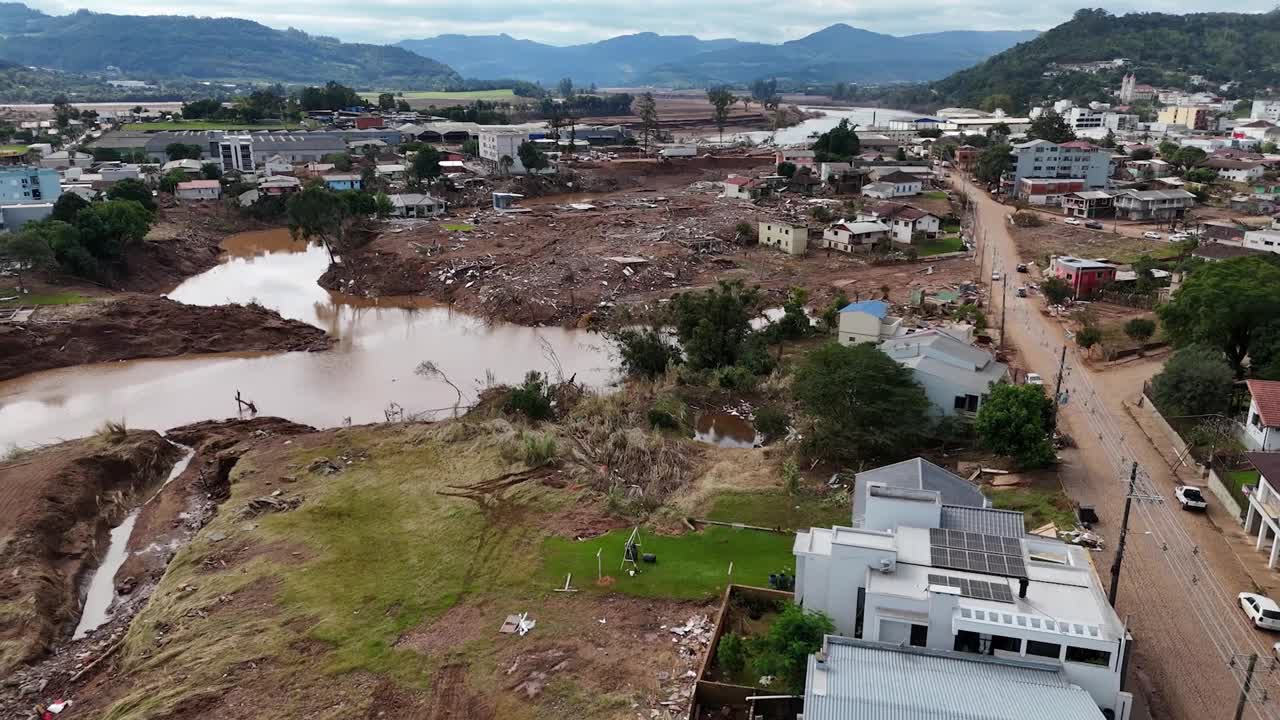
(137, 326)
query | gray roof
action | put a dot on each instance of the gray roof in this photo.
(875, 681)
(122, 140)
(988, 521)
(263, 141)
(1157, 194)
(920, 474)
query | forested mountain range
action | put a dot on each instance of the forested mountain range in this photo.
(1160, 48)
(836, 53)
(206, 48)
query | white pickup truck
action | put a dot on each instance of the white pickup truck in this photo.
(1190, 497)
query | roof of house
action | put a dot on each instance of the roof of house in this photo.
(920, 474)
(1157, 194)
(414, 199)
(876, 187)
(1218, 251)
(898, 177)
(1267, 463)
(987, 521)
(1091, 195)
(1229, 164)
(862, 227)
(199, 185)
(879, 308)
(1081, 263)
(739, 181)
(865, 680)
(341, 177)
(900, 211)
(1079, 145)
(797, 153)
(1266, 395)
(939, 354)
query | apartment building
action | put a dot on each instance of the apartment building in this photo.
(23, 184)
(1079, 161)
(1263, 109)
(1152, 204)
(1263, 240)
(495, 144)
(1194, 117)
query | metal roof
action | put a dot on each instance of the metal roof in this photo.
(987, 521)
(921, 474)
(878, 308)
(875, 681)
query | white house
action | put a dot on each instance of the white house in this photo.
(895, 184)
(867, 321)
(1263, 514)
(850, 678)
(905, 221)
(791, 239)
(741, 188)
(198, 190)
(957, 377)
(1263, 240)
(416, 205)
(966, 580)
(1241, 171)
(914, 474)
(846, 235)
(1262, 424)
(497, 144)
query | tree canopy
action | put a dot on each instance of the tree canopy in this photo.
(1195, 381)
(839, 144)
(131, 189)
(994, 161)
(1015, 422)
(426, 164)
(531, 157)
(864, 406)
(714, 326)
(1052, 127)
(783, 651)
(1222, 304)
(722, 100)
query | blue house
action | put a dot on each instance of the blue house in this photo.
(342, 182)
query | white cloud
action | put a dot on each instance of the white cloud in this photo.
(564, 22)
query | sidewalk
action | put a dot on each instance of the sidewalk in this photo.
(1242, 545)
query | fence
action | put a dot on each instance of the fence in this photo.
(1136, 300)
(710, 696)
(1230, 493)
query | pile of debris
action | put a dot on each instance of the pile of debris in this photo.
(692, 639)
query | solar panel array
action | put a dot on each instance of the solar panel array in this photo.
(979, 589)
(978, 542)
(975, 552)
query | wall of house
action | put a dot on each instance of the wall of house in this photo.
(942, 392)
(788, 238)
(887, 618)
(1263, 240)
(1258, 436)
(886, 513)
(859, 327)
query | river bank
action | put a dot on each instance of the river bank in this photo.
(130, 327)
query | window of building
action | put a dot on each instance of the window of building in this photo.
(1090, 656)
(1044, 649)
(1255, 420)
(968, 403)
(919, 635)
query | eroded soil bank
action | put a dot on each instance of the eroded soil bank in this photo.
(134, 326)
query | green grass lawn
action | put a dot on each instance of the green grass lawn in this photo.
(207, 125)
(66, 298)
(779, 510)
(13, 149)
(458, 227)
(934, 195)
(951, 228)
(940, 245)
(692, 566)
(1038, 504)
(459, 96)
(1236, 480)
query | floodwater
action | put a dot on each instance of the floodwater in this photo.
(380, 342)
(798, 134)
(725, 430)
(102, 586)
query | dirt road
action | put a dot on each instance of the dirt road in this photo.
(1179, 580)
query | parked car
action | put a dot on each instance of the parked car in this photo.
(1022, 291)
(1261, 610)
(1152, 235)
(1034, 379)
(1190, 497)
(1022, 267)
(1179, 237)
(1093, 225)
(1072, 221)
(995, 276)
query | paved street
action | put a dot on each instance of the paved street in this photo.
(1180, 578)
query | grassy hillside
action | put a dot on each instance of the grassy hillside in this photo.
(1161, 48)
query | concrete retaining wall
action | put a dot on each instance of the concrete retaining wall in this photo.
(1220, 491)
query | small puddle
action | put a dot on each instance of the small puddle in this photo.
(726, 431)
(102, 586)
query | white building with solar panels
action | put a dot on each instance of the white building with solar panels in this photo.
(965, 579)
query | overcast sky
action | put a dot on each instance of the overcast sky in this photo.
(567, 22)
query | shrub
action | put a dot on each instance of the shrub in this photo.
(735, 377)
(667, 413)
(113, 431)
(731, 653)
(791, 476)
(1014, 422)
(645, 352)
(785, 649)
(532, 398)
(772, 421)
(539, 449)
(1196, 381)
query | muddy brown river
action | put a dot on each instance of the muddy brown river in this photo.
(371, 366)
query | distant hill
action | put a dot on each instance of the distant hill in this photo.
(1159, 47)
(209, 48)
(836, 53)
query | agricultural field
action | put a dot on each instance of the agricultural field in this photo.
(458, 96)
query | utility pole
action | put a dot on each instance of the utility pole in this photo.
(1004, 304)
(1057, 390)
(1248, 684)
(1124, 532)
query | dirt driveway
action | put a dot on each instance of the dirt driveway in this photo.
(1179, 580)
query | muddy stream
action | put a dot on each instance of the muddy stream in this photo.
(380, 342)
